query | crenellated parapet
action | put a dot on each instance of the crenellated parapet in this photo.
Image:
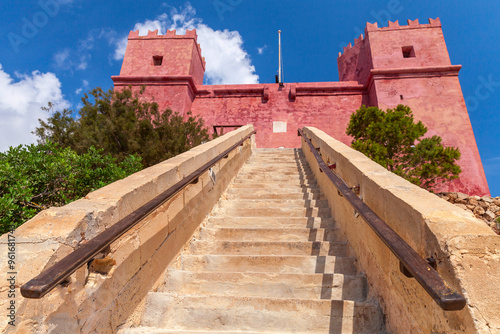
(391, 26)
(410, 25)
(413, 46)
(170, 34)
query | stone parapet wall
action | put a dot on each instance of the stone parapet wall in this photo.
(485, 208)
(101, 303)
(467, 250)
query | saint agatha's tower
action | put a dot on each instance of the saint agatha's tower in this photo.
(388, 66)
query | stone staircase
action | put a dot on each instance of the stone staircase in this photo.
(268, 259)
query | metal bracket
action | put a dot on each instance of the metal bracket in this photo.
(356, 189)
(430, 260)
(211, 174)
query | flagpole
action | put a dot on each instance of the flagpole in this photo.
(280, 78)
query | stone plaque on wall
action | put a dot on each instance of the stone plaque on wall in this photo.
(279, 127)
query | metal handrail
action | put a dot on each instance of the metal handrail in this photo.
(444, 295)
(60, 271)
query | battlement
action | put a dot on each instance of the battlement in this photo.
(433, 23)
(373, 27)
(168, 35)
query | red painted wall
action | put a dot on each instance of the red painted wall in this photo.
(373, 71)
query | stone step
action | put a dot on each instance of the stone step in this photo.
(253, 175)
(273, 168)
(154, 330)
(228, 313)
(270, 263)
(262, 194)
(275, 179)
(283, 170)
(315, 248)
(294, 167)
(286, 189)
(269, 234)
(274, 186)
(266, 285)
(277, 161)
(274, 203)
(278, 150)
(274, 222)
(262, 211)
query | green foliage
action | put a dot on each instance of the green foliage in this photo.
(121, 125)
(394, 140)
(36, 177)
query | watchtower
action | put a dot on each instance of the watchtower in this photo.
(170, 67)
(410, 65)
(388, 66)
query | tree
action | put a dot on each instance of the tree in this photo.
(120, 124)
(392, 139)
(37, 177)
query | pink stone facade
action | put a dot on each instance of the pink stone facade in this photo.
(388, 66)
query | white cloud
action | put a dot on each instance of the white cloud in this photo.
(61, 58)
(227, 60)
(85, 85)
(121, 44)
(68, 60)
(262, 49)
(87, 43)
(78, 59)
(21, 102)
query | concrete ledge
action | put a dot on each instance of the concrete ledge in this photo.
(467, 251)
(100, 303)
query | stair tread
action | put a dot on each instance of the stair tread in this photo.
(310, 248)
(270, 263)
(286, 314)
(268, 285)
(154, 330)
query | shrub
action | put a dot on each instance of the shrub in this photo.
(36, 177)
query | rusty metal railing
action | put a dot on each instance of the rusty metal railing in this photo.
(60, 271)
(222, 127)
(444, 295)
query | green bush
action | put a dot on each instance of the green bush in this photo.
(122, 124)
(392, 139)
(36, 177)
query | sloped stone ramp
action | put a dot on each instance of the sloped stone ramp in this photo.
(268, 259)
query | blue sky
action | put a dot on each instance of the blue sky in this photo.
(54, 50)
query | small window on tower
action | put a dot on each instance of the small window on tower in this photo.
(157, 60)
(408, 52)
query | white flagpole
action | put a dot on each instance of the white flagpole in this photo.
(280, 78)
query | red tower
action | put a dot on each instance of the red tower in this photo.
(393, 65)
(410, 65)
(169, 66)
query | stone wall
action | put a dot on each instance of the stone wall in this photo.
(466, 250)
(485, 208)
(97, 303)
